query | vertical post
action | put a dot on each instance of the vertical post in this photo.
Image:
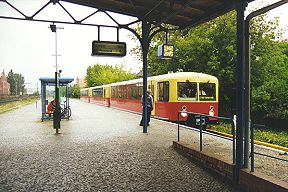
(56, 113)
(43, 100)
(233, 133)
(145, 47)
(252, 148)
(240, 87)
(178, 127)
(201, 133)
(247, 93)
(67, 95)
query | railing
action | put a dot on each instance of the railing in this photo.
(201, 116)
(252, 147)
(233, 123)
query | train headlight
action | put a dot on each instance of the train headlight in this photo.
(211, 111)
(184, 111)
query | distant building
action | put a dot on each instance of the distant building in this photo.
(4, 85)
(80, 82)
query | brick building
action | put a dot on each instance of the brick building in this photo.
(80, 82)
(4, 85)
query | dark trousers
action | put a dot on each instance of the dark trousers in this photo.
(148, 117)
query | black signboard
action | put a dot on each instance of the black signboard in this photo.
(108, 48)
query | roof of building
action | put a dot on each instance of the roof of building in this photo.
(182, 13)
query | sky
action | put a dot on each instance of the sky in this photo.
(28, 47)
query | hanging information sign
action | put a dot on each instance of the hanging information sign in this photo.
(108, 48)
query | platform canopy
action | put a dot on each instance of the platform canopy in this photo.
(51, 80)
(181, 13)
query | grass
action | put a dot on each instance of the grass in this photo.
(16, 104)
(269, 136)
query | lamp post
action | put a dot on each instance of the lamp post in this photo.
(57, 112)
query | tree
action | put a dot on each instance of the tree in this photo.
(16, 82)
(211, 48)
(74, 91)
(105, 74)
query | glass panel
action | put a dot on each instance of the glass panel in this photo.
(207, 92)
(160, 91)
(84, 93)
(166, 91)
(163, 91)
(134, 90)
(187, 91)
(97, 92)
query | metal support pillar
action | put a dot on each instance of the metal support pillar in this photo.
(145, 47)
(247, 96)
(240, 88)
(248, 75)
(43, 100)
(56, 113)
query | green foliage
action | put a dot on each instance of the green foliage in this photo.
(16, 81)
(269, 136)
(74, 91)
(211, 48)
(106, 74)
(272, 136)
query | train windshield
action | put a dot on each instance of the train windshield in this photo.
(187, 90)
(207, 92)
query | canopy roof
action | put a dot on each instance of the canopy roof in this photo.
(51, 80)
(182, 13)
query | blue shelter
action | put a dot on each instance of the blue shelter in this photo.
(50, 81)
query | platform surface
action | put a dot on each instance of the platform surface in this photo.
(99, 149)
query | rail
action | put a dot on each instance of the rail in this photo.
(201, 116)
(253, 150)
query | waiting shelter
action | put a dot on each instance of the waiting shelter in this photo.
(50, 81)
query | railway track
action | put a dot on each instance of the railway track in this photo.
(9, 99)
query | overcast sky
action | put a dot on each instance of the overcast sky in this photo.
(27, 47)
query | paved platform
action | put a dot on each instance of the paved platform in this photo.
(99, 149)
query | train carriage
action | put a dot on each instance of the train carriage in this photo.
(100, 95)
(85, 94)
(197, 92)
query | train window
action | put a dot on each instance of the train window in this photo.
(119, 91)
(187, 90)
(163, 91)
(114, 92)
(124, 91)
(140, 90)
(207, 91)
(97, 92)
(134, 91)
(84, 93)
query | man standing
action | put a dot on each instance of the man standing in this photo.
(149, 107)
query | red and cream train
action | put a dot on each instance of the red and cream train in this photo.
(197, 92)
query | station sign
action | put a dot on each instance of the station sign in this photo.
(166, 51)
(108, 48)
